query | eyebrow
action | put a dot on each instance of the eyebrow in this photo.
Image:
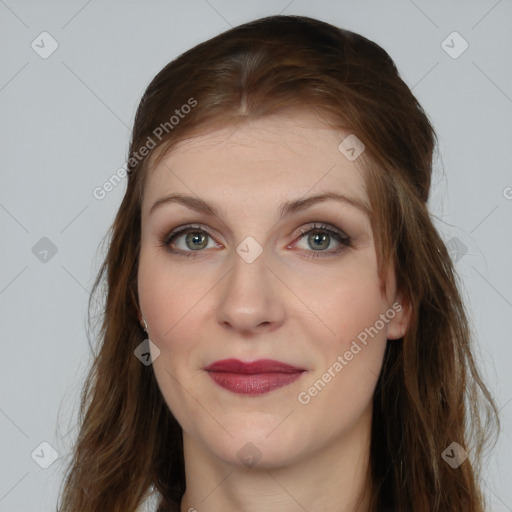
(209, 208)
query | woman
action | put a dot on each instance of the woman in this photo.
(283, 329)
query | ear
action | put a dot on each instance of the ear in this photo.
(399, 314)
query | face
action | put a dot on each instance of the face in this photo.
(251, 267)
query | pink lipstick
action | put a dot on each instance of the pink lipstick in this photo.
(252, 378)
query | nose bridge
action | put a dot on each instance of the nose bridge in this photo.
(249, 274)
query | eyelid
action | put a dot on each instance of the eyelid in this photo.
(184, 229)
(322, 226)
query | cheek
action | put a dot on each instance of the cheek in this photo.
(171, 302)
(348, 303)
(349, 361)
(168, 294)
(345, 298)
(172, 309)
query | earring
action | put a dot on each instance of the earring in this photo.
(145, 326)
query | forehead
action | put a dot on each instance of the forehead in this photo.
(258, 162)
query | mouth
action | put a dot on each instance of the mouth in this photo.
(253, 378)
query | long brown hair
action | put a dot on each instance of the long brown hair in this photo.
(429, 393)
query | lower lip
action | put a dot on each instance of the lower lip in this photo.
(254, 384)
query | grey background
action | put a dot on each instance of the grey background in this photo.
(65, 130)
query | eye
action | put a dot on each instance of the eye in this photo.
(319, 238)
(190, 240)
(193, 240)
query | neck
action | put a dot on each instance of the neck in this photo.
(331, 479)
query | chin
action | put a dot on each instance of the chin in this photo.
(254, 448)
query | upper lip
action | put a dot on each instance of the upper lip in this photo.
(252, 367)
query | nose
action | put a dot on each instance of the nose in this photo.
(251, 298)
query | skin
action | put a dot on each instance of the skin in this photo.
(284, 305)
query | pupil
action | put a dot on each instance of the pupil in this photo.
(320, 238)
(195, 238)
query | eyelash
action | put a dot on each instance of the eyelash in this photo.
(343, 239)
